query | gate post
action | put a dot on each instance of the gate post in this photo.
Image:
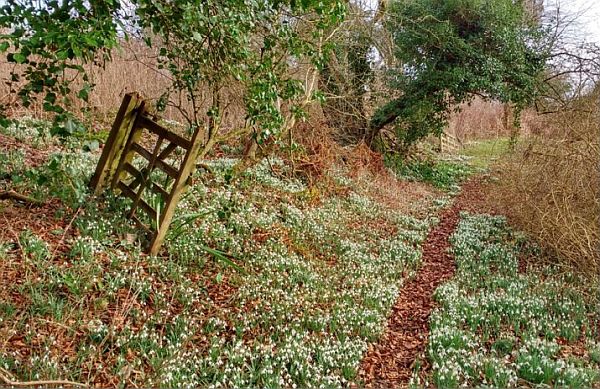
(115, 144)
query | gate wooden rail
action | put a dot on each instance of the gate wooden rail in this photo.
(449, 143)
(125, 149)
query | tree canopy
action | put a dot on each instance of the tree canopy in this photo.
(445, 53)
(202, 44)
(449, 51)
(48, 39)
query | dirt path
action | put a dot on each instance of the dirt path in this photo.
(390, 362)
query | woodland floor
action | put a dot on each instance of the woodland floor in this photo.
(392, 361)
(367, 297)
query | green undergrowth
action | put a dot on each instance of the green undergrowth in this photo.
(65, 171)
(448, 171)
(445, 174)
(498, 327)
(263, 281)
(484, 153)
(41, 134)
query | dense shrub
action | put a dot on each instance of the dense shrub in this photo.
(551, 185)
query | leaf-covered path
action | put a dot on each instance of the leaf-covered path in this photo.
(392, 361)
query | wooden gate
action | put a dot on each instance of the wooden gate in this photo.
(449, 143)
(138, 162)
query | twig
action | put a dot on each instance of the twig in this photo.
(16, 237)
(4, 375)
(62, 238)
(60, 325)
(205, 167)
(12, 195)
(273, 169)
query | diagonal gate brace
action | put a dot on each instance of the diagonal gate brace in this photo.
(117, 171)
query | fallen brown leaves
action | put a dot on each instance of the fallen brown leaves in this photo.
(33, 157)
(41, 221)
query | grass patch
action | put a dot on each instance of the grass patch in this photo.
(484, 153)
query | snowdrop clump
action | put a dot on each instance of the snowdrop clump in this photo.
(12, 162)
(300, 317)
(263, 174)
(32, 131)
(260, 286)
(78, 164)
(496, 326)
(46, 362)
(222, 165)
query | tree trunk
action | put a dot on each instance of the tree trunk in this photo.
(382, 117)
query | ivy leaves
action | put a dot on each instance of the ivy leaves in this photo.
(248, 44)
(49, 42)
(453, 50)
